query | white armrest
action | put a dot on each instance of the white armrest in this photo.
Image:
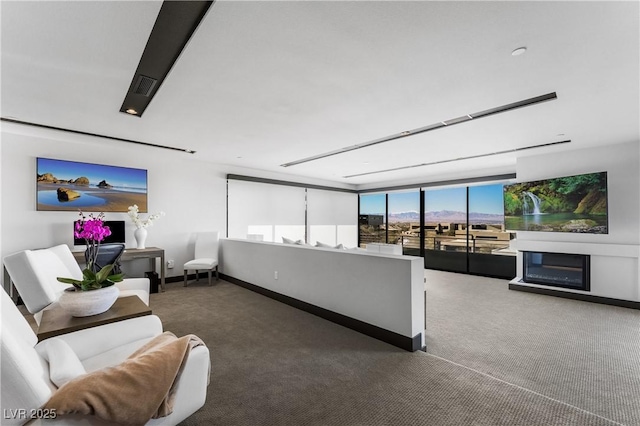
(92, 341)
(134, 284)
(190, 395)
(192, 388)
(135, 287)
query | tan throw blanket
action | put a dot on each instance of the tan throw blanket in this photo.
(140, 388)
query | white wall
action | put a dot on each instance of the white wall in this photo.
(192, 193)
(615, 268)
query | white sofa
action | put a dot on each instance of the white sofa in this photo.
(34, 274)
(25, 374)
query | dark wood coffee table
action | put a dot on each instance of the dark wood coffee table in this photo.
(57, 321)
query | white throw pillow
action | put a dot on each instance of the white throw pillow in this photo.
(64, 364)
(339, 246)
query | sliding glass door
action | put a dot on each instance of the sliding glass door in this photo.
(445, 229)
(403, 220)
(489, 243)
(457, 229)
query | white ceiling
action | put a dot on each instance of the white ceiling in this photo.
(265, 83)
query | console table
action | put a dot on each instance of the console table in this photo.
(133, 254)
(57, 321)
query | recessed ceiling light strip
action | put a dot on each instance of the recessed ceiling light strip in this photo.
(508, 151)
(347, 149)
(80, 132)
(520, 104)
(439, 125)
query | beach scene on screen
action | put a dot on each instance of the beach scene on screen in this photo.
(69, 185)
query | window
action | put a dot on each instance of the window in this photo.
(486, 220)
(372, 219)
(330, 217)
(404, 221)
(272, 211)
(445, 219)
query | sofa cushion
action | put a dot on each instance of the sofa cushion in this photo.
(201, 263)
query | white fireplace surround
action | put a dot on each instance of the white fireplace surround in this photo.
(614, 267)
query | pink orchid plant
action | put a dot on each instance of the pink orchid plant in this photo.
(93, 231)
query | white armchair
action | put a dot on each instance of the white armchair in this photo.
(34, 274)
(26, 374)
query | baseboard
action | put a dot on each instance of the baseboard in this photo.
(395, 339)
(190, 277)
(576, 296)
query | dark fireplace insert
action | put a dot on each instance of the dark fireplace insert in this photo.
(556, 269)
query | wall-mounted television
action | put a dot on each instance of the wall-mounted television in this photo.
(117, 233)
(70, 185)
(566, 204)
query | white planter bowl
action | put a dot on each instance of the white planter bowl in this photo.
(86, 303)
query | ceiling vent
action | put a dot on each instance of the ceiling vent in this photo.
(144, 85)
(176, 23)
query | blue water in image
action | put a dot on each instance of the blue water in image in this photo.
(50, 198)
(553, 220)
(128, 189)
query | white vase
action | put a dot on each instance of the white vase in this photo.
(86, 303)
(141, 236)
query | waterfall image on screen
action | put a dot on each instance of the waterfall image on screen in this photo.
(566, 204)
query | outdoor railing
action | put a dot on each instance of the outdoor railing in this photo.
(411, 243)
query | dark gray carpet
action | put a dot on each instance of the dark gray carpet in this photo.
(585, 354)
(275, 365)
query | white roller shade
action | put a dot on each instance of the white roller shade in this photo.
(273, 211)
(332, 217)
